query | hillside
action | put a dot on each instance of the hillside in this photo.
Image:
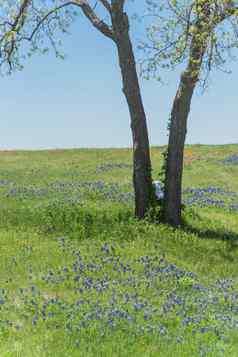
(81, 277)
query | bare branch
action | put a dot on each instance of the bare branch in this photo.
(106, 4)
(95, 21)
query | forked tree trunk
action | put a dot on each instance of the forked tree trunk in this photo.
(141, 151)
(174, 168)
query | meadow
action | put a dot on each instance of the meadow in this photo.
(79, 276)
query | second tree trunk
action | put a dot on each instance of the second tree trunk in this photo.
(174, 166)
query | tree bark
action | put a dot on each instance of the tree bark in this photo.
(142, 178)
(174, 167)
(179, 117)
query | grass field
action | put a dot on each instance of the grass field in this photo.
(79, 276)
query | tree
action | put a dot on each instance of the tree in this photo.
(12, 19)
(44, 21)
(202, 33)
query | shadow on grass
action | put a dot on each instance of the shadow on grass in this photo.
(63, 218)
(219, 233)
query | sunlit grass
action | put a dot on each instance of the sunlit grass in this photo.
(79, 276)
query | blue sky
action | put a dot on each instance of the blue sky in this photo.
(78, 102)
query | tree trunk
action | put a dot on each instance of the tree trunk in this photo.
(179, 116)
(141, 151)
(174, 167)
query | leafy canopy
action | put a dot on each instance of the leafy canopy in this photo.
(179, 26)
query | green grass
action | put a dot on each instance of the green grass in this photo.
(112, 264)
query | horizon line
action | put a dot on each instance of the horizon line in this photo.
(101, 148)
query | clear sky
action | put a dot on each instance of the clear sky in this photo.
(78, 102)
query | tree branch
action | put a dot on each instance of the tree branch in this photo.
(20, 16)
(44, 18)
(120, 3)
(106, 4)
(15, 27)
(230, 10)
(88, 12)
(95, 21)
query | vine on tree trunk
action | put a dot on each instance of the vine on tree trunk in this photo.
(162, 172)
(162, 178)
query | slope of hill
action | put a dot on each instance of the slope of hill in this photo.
(81, 277)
